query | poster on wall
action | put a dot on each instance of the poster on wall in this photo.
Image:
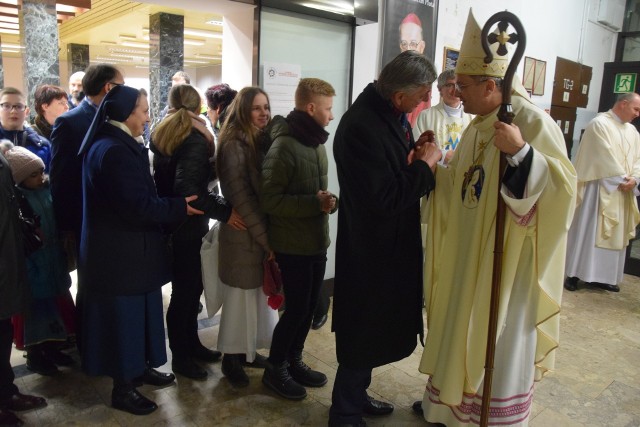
(280, 82)
(408, 25)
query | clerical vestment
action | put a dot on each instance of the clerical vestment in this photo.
(458, 272)
(448, 129)
(606, 218)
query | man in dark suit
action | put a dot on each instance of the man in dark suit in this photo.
(66, 166)
(65, 172)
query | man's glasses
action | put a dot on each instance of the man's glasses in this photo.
(460, 88)
(449, 85)
(406, 45)
(8, 107)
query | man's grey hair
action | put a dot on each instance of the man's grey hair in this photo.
(449, 74)
(406, 72)
(626, 97)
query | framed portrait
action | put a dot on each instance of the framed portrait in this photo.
(534, 75)
(450, 58)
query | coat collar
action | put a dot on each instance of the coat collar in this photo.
(381, 106)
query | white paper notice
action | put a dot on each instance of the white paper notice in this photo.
(280, 83)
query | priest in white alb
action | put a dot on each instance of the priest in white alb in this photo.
(539, 189)
(608, 167)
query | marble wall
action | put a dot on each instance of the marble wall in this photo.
(39, 36)
(166, 56)
(77, 57)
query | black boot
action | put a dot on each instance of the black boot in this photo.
(37, 361)
(571, 284)
(232, 369)
(278, 379)
(304, 374)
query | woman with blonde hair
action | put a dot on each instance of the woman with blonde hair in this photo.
(183, 148)
(246, 322)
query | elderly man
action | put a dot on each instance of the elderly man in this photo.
(447, 119)
(75, 88)
(538, 189)
(383, 173)
(608, 166)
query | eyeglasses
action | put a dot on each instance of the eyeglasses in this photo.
(460, 88)
(409, 45)
(448, 86)
(115, 83)
(8, 107)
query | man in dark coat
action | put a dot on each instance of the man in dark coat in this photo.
(65, 175)
(383, 173)
(13, 298)
(68, 132)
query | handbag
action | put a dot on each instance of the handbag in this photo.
(272, 283)
(31, 234)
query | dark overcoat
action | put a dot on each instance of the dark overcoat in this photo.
(66, 166)
(123, 250)
(13, 270)
(377, 311)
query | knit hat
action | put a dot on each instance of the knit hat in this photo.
(23, 163)
(471, 57)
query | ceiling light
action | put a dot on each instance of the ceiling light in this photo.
(214, 22)
(13, 19)
(195, 61)
(12, 46)
(10, 25)
(107, 42)
(128, 37)
(131, 51)
(341, 8)
(135, 44)
(10, 50)
(9, 10)
(194, 42)
(202, 33)
(203, 56)
(112, 59)
(7, 31)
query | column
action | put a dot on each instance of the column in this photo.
(39, 36)
(77, 57)
(166, 56)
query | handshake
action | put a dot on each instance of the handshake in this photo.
(426, 150)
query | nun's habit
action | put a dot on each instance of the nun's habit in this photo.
(123, 255)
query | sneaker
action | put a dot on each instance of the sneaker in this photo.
(303, 374)
(278, 379)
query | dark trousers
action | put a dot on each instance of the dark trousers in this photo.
(302, 278)
(349, 395)
(7, 387)
(182, 314)
(322, 307)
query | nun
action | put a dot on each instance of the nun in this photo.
(123, 259)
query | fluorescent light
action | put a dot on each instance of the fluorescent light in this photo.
(195, 61)
(112, 59)
(12, 46)
(107, 42)
(342, 8)
(130, 51)
(13, 19)
(203, 56)
(214, 22)
(194, 42)
(11, 50)
(135, 44)
(7, 31)
(10, 25)
(202, 33)
(128, 37)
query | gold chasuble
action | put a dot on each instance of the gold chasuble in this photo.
(459, 254)
(610, 148)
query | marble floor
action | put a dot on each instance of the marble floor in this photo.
(596, 382)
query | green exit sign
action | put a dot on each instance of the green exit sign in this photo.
(625, 83)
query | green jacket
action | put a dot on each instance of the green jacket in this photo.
(292, 175)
